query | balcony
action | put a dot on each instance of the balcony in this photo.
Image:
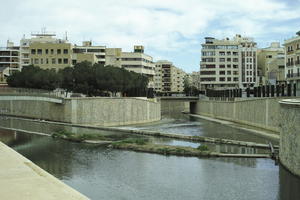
(294, 76)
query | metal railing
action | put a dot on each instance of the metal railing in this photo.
(10, 91)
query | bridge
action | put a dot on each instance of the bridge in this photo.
(171, 105)
(183, 98)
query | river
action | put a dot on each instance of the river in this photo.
(103, 173)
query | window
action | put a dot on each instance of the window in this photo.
(39, 51)
(235, 79)
(66, 51)
(47, 51)
(52, 51)
(36, 61)
(235, 73)
(222, 53)
(229, 66)
(228, 53)
(222, 79)
(42, 61)
(222, 72)
(221, 66)
(228, 59)
(66, 61)
(229, 79)
(235, 60)
(33, 51)
(222, 59)
(58, 51)
(59, 61)
(235, 66)
(47, 61)
(228, 72)
(53, 61)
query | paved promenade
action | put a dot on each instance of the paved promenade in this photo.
(22, 179)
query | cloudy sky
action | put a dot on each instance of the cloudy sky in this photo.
(169, 29)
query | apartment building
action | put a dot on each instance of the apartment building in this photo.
(168, 78)
(228, 63)
(195, 79)
(94, 54)
(136, 61)
(10, 57)
(48, 52)
(271, 64)
(292, 60)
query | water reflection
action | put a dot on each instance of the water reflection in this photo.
(289, 185)
(102, 173)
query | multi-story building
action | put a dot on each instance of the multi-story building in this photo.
(292, 58)
(10, 57)
(271, 64)
(195, 79)
(168, 78)
(228, 63)
(94, 54)
(136, 61)
(48, 52)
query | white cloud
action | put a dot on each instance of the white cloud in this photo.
(160, 25)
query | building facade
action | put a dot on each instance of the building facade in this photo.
(292, 60)
(271, 64)
(228, 63)
(136, 61)
(168, 78)
(10, 57)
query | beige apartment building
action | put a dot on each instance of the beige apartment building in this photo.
(168, 78)
(271, 62)
(48, 52)
(292, 60)
(136, 61)
(228, 63)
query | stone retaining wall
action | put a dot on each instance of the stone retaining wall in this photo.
(95, 111)
(290, 135)
(259, 112)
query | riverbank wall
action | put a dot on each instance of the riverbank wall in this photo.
(258, 112)
(289, 153)
(94, 111)
(22, 179)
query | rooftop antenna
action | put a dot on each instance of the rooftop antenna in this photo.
(66, 35)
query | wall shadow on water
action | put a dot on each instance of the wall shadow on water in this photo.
(289, 185)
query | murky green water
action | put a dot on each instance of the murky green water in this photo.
(102, 173)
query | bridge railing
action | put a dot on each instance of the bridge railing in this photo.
(8, 91)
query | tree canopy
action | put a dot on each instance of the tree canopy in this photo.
(84, 77)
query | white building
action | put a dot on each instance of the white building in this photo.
(228, 63)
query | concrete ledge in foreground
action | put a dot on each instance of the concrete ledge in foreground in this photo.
(22, 179)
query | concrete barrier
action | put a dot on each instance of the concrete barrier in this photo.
(95, 111)
(258, 112)
(289, 153)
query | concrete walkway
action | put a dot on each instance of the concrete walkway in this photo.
(22, 179)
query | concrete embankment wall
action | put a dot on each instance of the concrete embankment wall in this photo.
(95, 111)
(261, 113)
(290, 136)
